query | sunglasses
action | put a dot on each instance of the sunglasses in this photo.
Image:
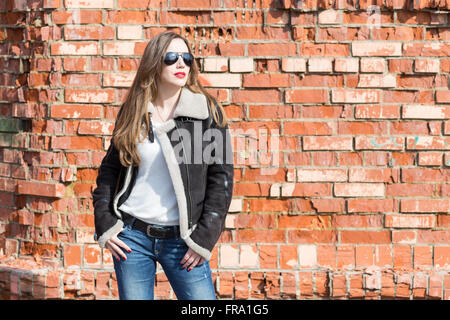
(172, 57)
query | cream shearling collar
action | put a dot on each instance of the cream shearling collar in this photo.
(190, 104)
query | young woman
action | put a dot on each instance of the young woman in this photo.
(165, 184)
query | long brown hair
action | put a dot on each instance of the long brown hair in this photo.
(133, 113)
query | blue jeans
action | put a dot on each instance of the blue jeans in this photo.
(136, 274)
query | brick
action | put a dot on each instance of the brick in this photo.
(51, 4)
(357, 221)
(306, 284)
(402, 257)
(359, 190)
(443, 96)
(425, 112)
(364, 256)
(125, 32)
(301, 190)
(404, 237)
(241, 285)
(118, 79)
(141, 17)
(88, 33)
(76, 111)
(376, 48)
(92, 256)
(229, 256)
(220, 80)
(345, 257)
(54, 190)
(323, 284)
(72, 255)
(409, 221)
(303, 221)
(327, 143)
(330, 16)
(423, 257)
(248, 256)
(354, 96)
(236, 205)
(80, 80)
(346, 65)
(218, 64)
(307, 256)
(119, 48)
(425, 205)
(379, 143)
(254, 96)
(74, 64)
(373, 175)
(419, 286)
(102, 285)
(377, 80)
(373, 65)
(339, 286)
(288, 257)
(77, 17)
(289, 288)
(426, 65)
(262, 236)
(293, 64)
(434, 49)
(441, 257)
(255, 220)
(265, 80)
(307, 128)
(306, 96)
(89, 3)
(326, 256)
(430, 159)
(356, 286)
(75, 48)
(376, 237)
(268, 256)
(320, 64)
(435, 285)
(311, 236)
(89, 95)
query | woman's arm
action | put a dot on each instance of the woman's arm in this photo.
(218, 195)
(107, 223)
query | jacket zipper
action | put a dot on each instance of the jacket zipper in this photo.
(187, 176)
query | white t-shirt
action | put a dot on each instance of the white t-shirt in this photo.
(152, 198)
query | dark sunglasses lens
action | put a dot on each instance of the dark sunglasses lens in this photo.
(187, 57)
(172, 57)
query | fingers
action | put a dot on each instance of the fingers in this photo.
(114, 245)
(120, 243)
(191, 259)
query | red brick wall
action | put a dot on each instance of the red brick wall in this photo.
(359, 204)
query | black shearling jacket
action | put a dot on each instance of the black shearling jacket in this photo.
(203, 188)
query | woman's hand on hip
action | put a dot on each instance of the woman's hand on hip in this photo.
(114, 245)
(191, 259)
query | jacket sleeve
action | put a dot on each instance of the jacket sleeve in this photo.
(218, 195)
(107, 223)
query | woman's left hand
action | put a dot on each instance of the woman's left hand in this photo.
(191, 259)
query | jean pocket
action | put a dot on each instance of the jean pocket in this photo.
(200, 264)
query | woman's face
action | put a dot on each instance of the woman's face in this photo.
(169, 75)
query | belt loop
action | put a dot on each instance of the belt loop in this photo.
(133, 219)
